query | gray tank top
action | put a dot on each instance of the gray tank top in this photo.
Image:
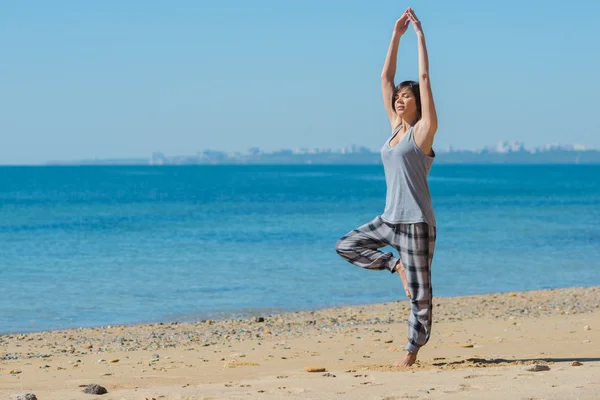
(406, 169)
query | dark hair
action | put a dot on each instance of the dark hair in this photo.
(414, 88)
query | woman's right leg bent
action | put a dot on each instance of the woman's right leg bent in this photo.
(360, 246)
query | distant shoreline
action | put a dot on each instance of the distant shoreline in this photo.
(359, 156)
(291, 164)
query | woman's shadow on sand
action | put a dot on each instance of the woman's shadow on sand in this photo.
(476, 363)
(483, 362)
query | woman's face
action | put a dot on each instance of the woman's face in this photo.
(405, 103)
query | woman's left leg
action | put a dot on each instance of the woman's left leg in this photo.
(416, 252)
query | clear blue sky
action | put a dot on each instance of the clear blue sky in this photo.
(83, 79)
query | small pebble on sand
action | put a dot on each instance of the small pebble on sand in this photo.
(537, 368)
(28, 396)
(95, 389)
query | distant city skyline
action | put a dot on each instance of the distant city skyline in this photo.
(85, 80)
(503, 146)
(502, 152)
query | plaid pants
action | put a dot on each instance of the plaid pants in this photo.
(415, 244)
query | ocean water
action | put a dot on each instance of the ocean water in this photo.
(92, 246)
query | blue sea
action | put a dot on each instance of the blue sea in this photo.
(106, 245)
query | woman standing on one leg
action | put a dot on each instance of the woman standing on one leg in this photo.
(408, 221)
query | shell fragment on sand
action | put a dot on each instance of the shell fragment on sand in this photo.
(235, 364)
(315, 369)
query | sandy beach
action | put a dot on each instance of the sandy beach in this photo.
(482, 347)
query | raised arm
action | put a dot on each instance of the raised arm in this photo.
(389, 68)
(426, 128)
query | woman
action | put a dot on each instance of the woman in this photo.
(408, 221)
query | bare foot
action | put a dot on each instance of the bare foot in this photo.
(408, 360)
(402, 272)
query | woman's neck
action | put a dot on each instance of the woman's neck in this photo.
(408, 123)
